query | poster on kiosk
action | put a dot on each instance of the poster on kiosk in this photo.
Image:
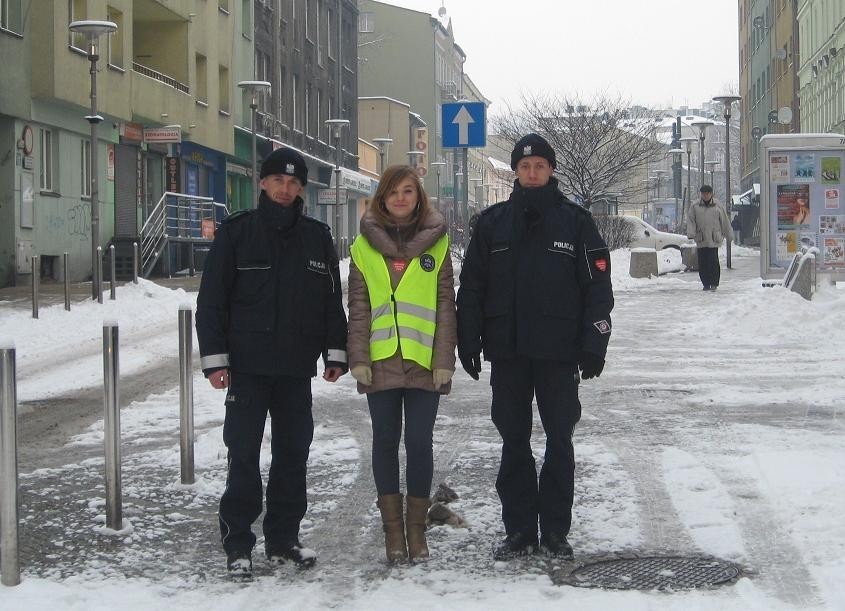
(802, 202)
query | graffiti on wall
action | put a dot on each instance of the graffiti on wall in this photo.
(79, 221)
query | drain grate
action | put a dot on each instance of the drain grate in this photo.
(666, 573)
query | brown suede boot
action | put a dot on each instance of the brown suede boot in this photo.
(415, 523)
(390, 506)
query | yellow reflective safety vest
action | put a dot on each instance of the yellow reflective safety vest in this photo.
(407, 317)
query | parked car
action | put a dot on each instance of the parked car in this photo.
(645, 236)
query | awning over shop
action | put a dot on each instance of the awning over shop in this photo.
(750, 197)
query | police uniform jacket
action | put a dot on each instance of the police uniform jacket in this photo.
(535, 281)
(270, 300)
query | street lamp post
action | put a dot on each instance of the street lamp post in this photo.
(253, 87)
(687, 142)
(727, 101)
(658, 175)
(711, 167)
(439, 165)
(383, 147)
(92, 30)
(337, 125)
(676, 159)
(702, 126)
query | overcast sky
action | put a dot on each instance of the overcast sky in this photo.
(654, 52)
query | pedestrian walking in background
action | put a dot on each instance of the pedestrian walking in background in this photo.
(269, 305)
(402, 336)
(535, 295)
(708, 225)
(736, 225)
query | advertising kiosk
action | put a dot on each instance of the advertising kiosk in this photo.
(802, 202)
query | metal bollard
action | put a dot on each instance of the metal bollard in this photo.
(65, 259)
(186, 394)
(135, 262)
(99, 274)
(10, 570)
(191, 266)
(111, 426)
(112, 267)
(36, 283)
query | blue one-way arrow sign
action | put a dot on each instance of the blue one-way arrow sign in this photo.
(464, 125)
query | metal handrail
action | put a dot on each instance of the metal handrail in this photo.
(176, 215)
(154, 74)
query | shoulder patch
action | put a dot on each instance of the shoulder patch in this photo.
(238, 214)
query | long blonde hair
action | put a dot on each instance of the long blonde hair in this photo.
(390, 180)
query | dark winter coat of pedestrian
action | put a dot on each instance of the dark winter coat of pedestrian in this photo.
(402, 337)
(708, 225)
(535, 295)
(269, 305)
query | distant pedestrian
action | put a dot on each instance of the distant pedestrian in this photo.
(269, 305)
(535, 296)
(402, 336)
(736, 225)
(708, 225)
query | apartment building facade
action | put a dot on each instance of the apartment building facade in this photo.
(170, 64)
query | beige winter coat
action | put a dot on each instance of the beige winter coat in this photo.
(708, 224)
(402, 243)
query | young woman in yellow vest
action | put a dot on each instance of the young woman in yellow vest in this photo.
(401, 345)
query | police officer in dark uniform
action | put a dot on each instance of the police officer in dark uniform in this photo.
(535, 296)
(269, 305)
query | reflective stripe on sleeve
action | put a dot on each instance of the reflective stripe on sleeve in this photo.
(214, 361)
(338, 356)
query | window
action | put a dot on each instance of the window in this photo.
(318, 113)
(85, 167)
(317, 34)
(246, 19)
(202, 78)
(308, 24)
(223, 88)
(308, 113)
(47, 160)
(76, 12)
(262, 73)
(366, 22)
(115, 39)
(295, 97)
(280, 93)
(329, 37)
(10, 15)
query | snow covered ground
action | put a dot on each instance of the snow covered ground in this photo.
(714, 430)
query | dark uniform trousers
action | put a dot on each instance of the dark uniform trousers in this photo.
(514, 384)
(249, 399)
(708, 266)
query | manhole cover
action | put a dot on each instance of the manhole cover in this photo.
(654, 573)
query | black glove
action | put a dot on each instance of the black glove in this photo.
(471, 363)
(591, 365)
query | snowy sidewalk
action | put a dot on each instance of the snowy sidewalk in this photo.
(714, 430)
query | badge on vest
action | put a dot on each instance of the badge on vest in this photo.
(427, 262)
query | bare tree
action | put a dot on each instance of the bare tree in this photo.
(599, 143)
(616, 231)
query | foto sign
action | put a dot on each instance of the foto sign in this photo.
(464, 125)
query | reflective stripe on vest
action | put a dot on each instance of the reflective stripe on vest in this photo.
(406, 318)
